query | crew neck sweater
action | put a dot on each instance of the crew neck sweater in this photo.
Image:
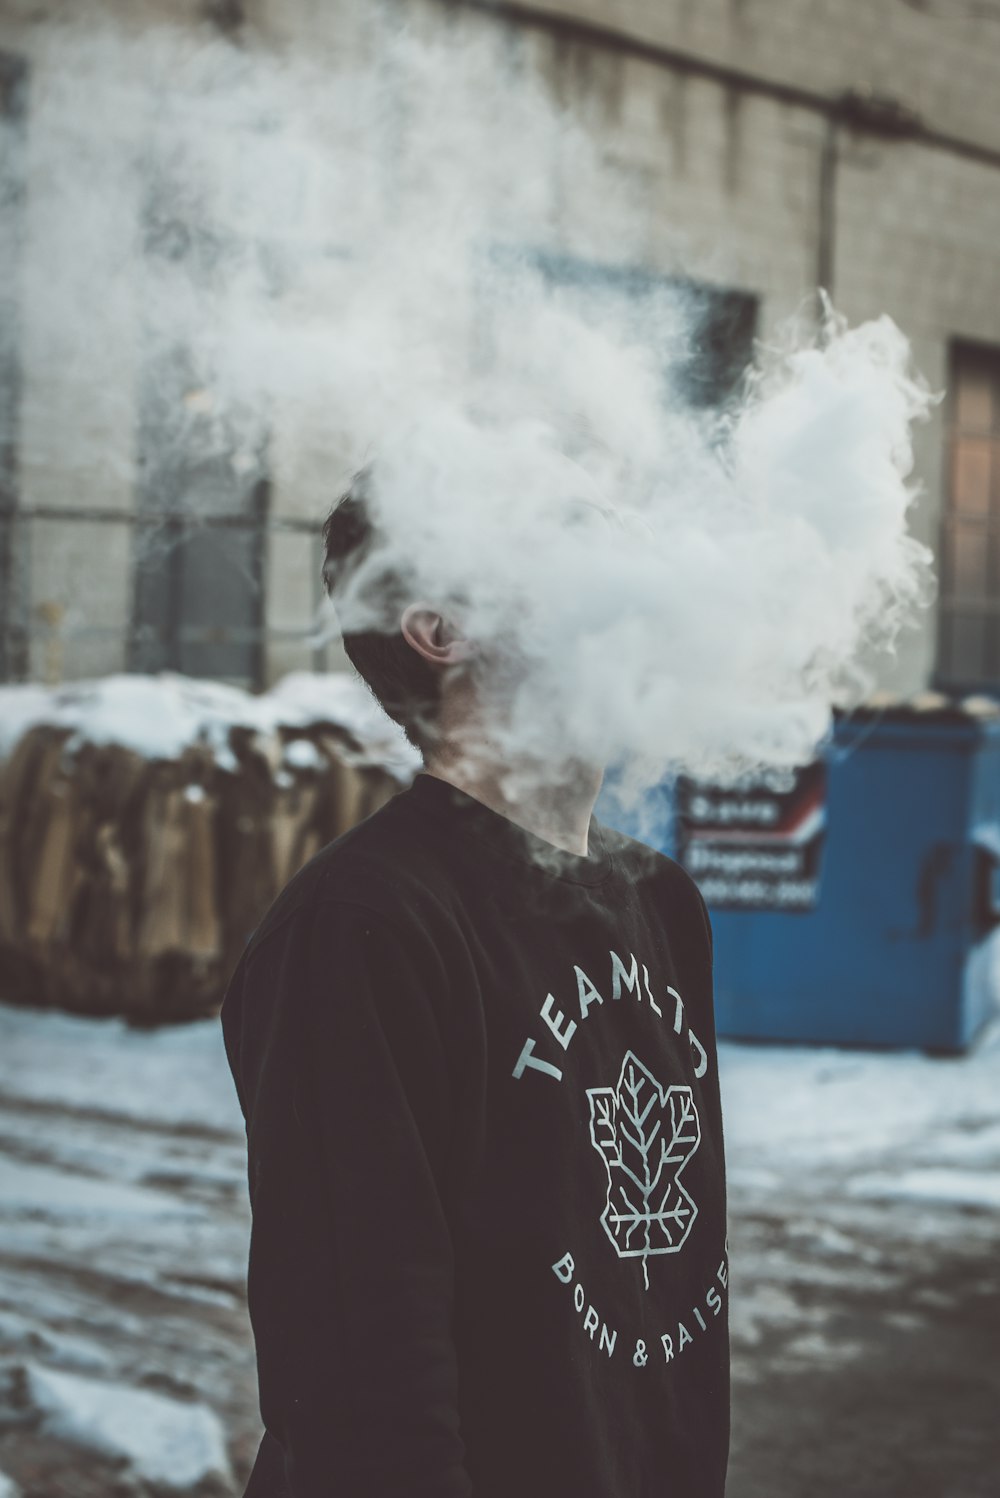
(488, 1251)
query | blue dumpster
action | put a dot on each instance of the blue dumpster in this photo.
(859, 905)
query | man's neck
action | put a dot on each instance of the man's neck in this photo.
(557, 809)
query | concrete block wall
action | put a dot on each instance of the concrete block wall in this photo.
(916, 236)
(77, 367)
(730, 177)
(830, 45)
(705, 175)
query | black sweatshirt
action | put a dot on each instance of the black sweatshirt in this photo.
(488, 1253)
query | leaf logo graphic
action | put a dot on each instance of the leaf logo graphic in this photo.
(645, 1135)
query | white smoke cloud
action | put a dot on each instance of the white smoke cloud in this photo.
(713, 619)
(349, 257)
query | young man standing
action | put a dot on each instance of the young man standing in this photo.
(473, 1041)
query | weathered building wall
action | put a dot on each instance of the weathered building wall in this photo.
(939, 56)
(725, 157)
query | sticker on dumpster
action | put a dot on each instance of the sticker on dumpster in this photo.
(755, 843)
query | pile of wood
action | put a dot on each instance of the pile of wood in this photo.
(129, 884)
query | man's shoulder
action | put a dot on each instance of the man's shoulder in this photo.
(645, 864)
(383, 864)
(664, 885)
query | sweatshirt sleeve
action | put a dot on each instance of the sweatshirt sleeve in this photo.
(341, 1068)
(706, 918)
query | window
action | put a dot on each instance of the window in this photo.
(202, 502)
(721, 329)
(724, 321)
(969, 609)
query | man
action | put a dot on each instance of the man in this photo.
(473, 1041)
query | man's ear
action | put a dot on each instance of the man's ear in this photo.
(434, 637)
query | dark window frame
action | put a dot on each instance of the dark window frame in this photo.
(955, 671)
(14, 602)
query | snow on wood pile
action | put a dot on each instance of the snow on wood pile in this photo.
(147, 822)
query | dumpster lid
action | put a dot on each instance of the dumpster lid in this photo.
(938, 707)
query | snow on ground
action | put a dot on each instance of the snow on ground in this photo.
(859, 1181)
(172, 1075)
(793, 1108)
(163, 1440)
(787, 1108)
(964, 1188)
(123, 1238)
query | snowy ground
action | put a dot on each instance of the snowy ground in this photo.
(865, 1224)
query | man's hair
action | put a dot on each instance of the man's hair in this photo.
(405, 685)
